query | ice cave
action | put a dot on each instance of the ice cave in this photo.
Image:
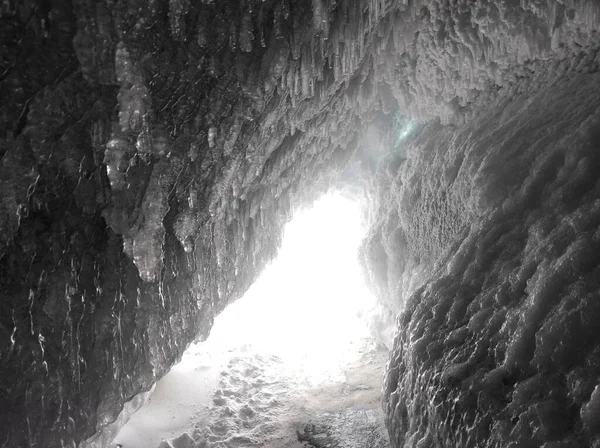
(296, 350)
(438, 162)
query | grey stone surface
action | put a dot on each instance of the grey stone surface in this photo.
(150, 152)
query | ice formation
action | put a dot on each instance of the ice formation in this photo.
(499, 347)
(318, 380)
(151, 153)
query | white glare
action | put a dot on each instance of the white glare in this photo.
(308, 305)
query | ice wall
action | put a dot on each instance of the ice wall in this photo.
(499, 346)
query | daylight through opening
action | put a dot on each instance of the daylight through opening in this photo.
(309, 305)
(304, 323)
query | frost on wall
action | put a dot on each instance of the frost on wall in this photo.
(150, 156)
(499, 346)
(446, 58)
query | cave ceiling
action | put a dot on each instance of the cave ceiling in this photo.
(151, 152)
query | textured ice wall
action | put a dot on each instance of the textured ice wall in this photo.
(447, 59)
(500, 346)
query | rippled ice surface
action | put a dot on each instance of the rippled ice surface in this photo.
(500, 346)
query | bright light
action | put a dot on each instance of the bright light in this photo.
(406, 130)
(403, 129)
(308, 305)
(305, 308)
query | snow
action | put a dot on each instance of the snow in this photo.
(178, 399)
(295, 349)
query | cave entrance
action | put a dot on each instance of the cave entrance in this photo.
(297, 346)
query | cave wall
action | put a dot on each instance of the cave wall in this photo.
(151, 152)
(485, 238)
(498, 345)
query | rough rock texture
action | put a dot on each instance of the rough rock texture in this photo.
(486, 237)
(151, 151)
(150, 154)
(499, 346)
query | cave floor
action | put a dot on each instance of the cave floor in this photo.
(244, 398)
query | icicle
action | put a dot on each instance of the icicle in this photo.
(201, 37)
(278, 22)
(116, 165)
(161, 143)
(320, 17)
(285, 8)
(147, 243)
(177, 11)
(233, 39)
(261, 32)
(246, 34)
(296, 46)
(212, 134)
(305, 73)
(186, 228)
(133, 95)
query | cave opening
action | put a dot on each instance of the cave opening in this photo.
(298, 347)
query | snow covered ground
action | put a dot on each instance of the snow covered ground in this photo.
(292, 364)
(256, 400)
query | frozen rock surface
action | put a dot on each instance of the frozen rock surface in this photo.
(151, 151)
(499, 345)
